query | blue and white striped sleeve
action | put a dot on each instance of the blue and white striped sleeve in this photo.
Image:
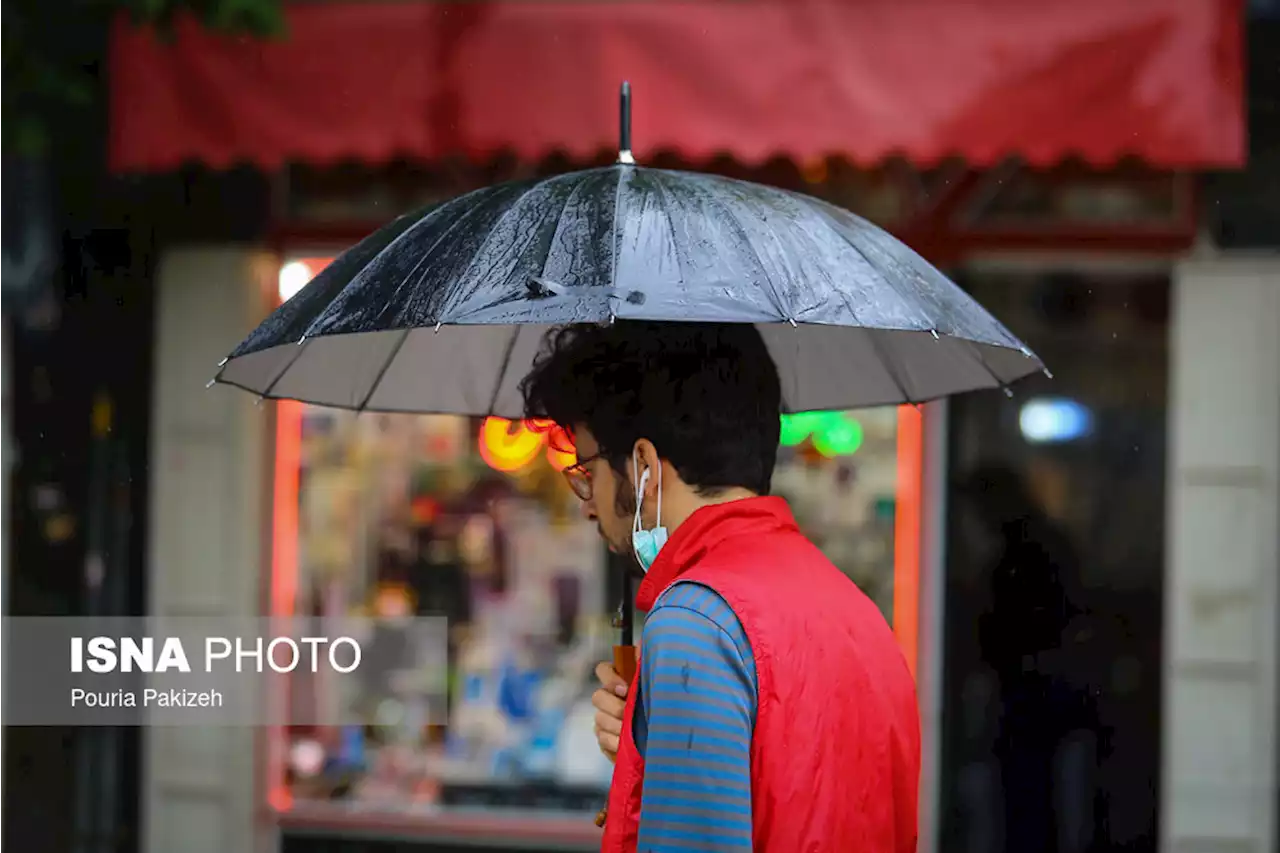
(698, 703)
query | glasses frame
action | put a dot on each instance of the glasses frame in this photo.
(578, 472)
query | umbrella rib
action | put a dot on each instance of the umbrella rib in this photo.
(493, 229)
(972, 349)
(818, 206)
(508, 298)
(559, 226)
(732, 216)
(298, 348)
(888, 365)
(970, 345)
(423, 259)
(433, 211)
(382, 371)
(502, 372)
(671, 226)
(614, 236)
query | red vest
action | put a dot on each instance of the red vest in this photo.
(835, 755)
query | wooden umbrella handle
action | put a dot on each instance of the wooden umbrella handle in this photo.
(624, 663)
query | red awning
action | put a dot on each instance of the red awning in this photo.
(1160, 80)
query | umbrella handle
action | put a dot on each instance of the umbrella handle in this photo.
(624, 663)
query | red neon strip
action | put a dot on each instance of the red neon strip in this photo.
(284, 569)
(284, 536)
(906, 534)
(284, 560)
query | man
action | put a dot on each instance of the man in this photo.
(772, 710)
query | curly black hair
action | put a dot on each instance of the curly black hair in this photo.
(706, 394)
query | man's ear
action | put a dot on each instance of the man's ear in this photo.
(646, 456)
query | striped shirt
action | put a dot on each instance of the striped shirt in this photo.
(696, 712)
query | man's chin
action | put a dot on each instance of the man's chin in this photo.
(623, 549)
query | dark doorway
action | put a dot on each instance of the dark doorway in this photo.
(1052, 656)
(80, 378)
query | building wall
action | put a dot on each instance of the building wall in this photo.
(209, 513)
(1221, 603)
(208, 527)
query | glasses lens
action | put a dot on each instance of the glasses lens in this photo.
(579, 480)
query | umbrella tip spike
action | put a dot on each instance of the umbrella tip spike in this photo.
(1008, 392)
(211, 383)
(1048, 373)
(302, 340)
(223, 362)
(624, 125)
(437, 328)
(792, 321)
(934, 332)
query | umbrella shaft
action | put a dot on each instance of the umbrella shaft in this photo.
(624, 119)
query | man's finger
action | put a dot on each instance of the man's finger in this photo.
(608, 744)
(608, 724)
(606, 702)
(609, 679)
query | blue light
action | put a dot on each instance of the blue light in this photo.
(1052, 420)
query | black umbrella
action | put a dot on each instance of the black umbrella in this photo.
(443, 310)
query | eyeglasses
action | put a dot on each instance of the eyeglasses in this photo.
(579, 477)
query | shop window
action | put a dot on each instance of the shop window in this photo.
(388, 515)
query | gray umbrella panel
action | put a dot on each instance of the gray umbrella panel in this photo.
(476, 370)
(443, 311)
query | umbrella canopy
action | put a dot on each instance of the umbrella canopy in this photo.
(443, 310)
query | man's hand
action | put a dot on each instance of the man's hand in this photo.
(609, 700)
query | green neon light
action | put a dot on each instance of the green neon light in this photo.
(796, 428)
(832, 433)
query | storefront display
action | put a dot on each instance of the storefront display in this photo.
(393, 515)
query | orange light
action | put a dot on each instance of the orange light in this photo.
(906, 533)
(508, 445)
(559, 459)
(560, 450)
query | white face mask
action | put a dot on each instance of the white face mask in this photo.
(646, 543)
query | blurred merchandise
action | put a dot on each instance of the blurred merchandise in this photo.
(404, 516)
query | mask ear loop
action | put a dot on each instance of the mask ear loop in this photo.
(641, 483)
(659, 520)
